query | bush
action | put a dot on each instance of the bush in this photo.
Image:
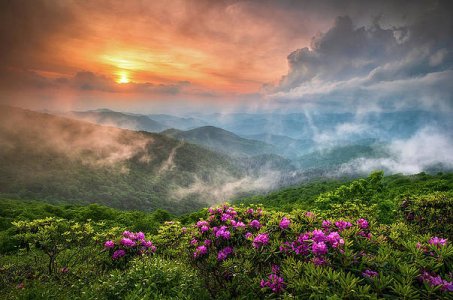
(151, 278)
(254, 254)
(432, 213)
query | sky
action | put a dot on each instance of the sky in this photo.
(182, 55)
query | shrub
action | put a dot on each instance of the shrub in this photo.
(151, 278)
(129, 245)
(251, 253)
(52, 236)
(432, 213)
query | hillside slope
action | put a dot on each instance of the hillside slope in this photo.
(64, 160)
(118, 119)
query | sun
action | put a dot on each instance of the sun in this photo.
(123, 78)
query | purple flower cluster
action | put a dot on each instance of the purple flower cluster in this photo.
(342, 225)
(436, 241)
(260, 240)
(434, 280)
(315, 243)
(203, 226)
(222, 225)
(275, 282)
(369, 273)
(130, 243)
(109, 244)
(284, 223)
(237, 224)
(222, 232)
(319, 249)
(118, 254)
(255, 224)
(363, 224)
(224, 253)
(126, 242)
(200, 251)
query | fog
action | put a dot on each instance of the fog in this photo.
(95, 146)
(428, 148)
(228, 187)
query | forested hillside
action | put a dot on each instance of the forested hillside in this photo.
(67, 161)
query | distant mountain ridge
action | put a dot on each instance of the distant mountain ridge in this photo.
(64, 160)
(222, 141)
(118, 119)
(182, 123)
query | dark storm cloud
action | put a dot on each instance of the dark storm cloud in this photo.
(393, 66)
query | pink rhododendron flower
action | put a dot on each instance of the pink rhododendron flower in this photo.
(147, 244)
(200, 251)
(319, 248)
(109, 244)
(363, 224)
(126, 242)
(318, 236)
(335, 239)
(202, 223)
(224, 253)
(433, 280)
(118, 253)
(369, 273)
(436, 241)
(342, 225)
(261, 240)
(326, 224)
(239, 225)
(223, 233)
(284, 223)
(255, 224)
(275, 283)
(226, 217)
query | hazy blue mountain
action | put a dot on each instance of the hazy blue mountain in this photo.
(325, 127)
(222, 141)
(183, 123)
(333, 157)
(286, 146)
(118, 119)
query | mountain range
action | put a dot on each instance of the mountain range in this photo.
(58, 159)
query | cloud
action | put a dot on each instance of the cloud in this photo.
(427, 148)
(393, 67)
(85, 81)
(94, 146)
(227, 187)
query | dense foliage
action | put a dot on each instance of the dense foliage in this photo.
(347, 245)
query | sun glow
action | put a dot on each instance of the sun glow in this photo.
(123, 78)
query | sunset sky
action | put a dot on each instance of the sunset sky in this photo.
(148, 56)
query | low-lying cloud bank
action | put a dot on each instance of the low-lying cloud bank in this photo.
(426, 149)
(95, 146)
(228, 187)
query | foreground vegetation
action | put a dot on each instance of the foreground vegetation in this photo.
(341, 242)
